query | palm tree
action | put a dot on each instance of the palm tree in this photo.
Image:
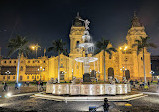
(18, 44)
(58, 46)
(103, 46)
(142, 44)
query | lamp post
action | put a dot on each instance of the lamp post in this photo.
(123, 69)
(7, 72)
(72, 74)
(41, 69)
(35, 47)
(124, 48)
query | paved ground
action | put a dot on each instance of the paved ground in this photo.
(27, 103)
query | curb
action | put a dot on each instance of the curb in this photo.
(89, 98)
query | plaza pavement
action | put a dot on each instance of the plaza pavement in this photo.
(26, 103)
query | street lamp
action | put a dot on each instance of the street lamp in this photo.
(72, 74)
(123, 69)
(41, 69)
(7, 72)
(35, 47)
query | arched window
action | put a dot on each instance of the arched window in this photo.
(127, 74)
(77, 44)
(110, 72)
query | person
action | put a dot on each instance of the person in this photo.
(131, 82)
(28, 83)
(5, 87)
(41, 85)
(151, 81)
(134, 84)
(16, 85)
(56, 80)
(106, 105)
(38, 85)
(148, 83)
(141, 85)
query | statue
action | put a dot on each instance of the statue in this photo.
(74, 80)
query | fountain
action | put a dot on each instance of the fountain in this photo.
(86, 45)
(86, 88)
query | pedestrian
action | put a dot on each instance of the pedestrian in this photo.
(134, 84)
(41, 84)
(5, 87)
(16, 85)
(28, 83)
(151, 81)
(106, 105)
(140, 84)
(148, 83)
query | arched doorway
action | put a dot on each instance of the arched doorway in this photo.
(110, 72)
(93, 73)
(127, 74)
(62, 75)
(21, 78)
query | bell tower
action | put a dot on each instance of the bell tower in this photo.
(136, 31)
(76, 33)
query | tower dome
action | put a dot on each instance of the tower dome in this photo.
(77, 22)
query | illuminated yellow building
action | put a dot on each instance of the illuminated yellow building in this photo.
(126, 57)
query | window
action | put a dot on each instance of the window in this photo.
(10, 61)
(28, 61)
(44, 61)
(27, 77)
(33, 61)
(126, 59)
(14, 61)
(61, 66)
(141, 58)
(32, 77)
(37, 77)
(77, 44)
(8, 77)
(5, 62)
(13, 77)
(110, 57)
(21, 68)
(3, 77)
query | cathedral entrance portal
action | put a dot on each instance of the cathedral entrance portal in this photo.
(110, 72)
(127, 74)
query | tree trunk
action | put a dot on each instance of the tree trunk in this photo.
(104, 67)
(59, 68)
(18, 68)
(144, 66)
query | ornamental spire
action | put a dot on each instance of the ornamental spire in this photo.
(135, 21)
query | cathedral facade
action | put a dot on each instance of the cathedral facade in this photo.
(125, 62)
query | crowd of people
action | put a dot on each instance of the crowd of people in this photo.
(140, 84)
(39, 85)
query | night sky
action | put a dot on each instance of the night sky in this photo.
(42, 21)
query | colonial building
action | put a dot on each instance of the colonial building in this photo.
(125, 62)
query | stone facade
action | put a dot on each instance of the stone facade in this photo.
(69, 68)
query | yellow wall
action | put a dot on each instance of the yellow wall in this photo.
(133, 61)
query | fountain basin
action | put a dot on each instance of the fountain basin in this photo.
(88, 89)
(86, 59)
